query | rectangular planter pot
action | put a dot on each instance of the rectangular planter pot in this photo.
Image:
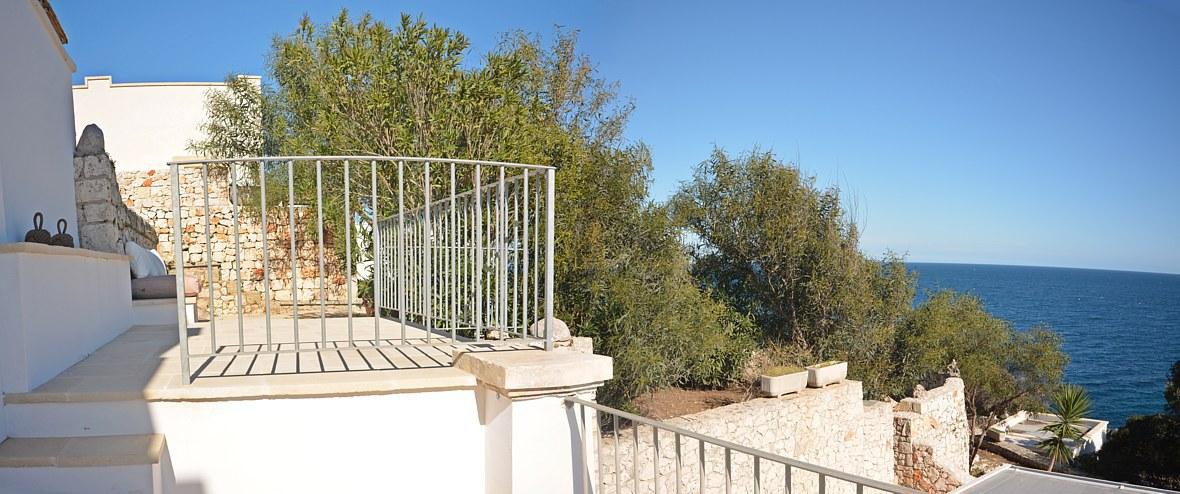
(818, 377)
(784, 384)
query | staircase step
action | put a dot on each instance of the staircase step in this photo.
(127, 463)
(92, 451)
(78, 419)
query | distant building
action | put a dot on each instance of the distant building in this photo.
(146, 124)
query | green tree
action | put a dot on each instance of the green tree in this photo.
(771, 243)
(1172, 390)
(360, 87)
(1070, 405)
(1003, 370)
(1145, 450)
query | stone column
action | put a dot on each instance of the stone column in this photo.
(534, 440)
(105, 223)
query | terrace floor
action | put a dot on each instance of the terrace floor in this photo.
(144, 362)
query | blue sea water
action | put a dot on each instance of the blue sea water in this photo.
(1121, 329)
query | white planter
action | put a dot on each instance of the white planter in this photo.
(784, 384)
(818, 377)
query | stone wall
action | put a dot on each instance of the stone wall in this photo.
(105, 223)
(150, 193)
(831, 427)
(931, 438)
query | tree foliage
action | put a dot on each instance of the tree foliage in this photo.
(361, 87)
(776, 247)
(1145, 450)
(1070, 404)
(1003, 369)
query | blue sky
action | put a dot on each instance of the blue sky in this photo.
(1041, 133)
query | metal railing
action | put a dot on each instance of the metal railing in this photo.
(457, 251)
(679, 472)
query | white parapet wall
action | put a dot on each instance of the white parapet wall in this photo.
(57, 305)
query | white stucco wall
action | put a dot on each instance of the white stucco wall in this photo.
(145, 124)
(406, 442)
(36, 122)
(57, 306)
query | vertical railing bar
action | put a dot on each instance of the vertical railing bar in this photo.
(294, 261)
(376, 271)
(787, 479)
(234, 206)
(701, 465)
(728, 471)
(823, 483)
(265, 253)
(178, 256)
(527, 317)
(615, 427)
(549, 197)
(478, 274)
(427, 248)
(679, 461)
(453, 256)
(655, 464)
(516, 257)
(635, 456)
(536, 253)
(860, 488)
(319, 206)
(502, 256)
(585, 450)
(348, 254)
(401, 248)
(757, 475)
(209, 259)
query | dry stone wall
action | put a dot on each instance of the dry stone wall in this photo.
(831, 427)
(104, 222)
(932, 439)
(150, 193)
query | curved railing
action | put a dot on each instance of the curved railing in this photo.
(454, 252)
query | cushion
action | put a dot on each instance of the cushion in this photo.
(154, 287)
(144, 263)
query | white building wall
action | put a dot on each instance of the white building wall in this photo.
(36, 122)
(403, 442)
(145, 124)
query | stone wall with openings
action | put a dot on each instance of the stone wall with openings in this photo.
(150, 193)
(931, 438)
(832, 427)
(104, 222)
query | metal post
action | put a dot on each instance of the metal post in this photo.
(376, 271)
(478, 257)
(294, 260)
(615, 426)
(655, 463)
(427, 252)
(728, 471)
(549, 197)
(401, 248)
(319, 222)
(501, 258)
(347, 252)
(265, 254)
(178, 255)
(678, 462)
(234, 207)
(209, 260)
(453, 255)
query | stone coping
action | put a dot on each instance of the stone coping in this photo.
(167, 387)
(534, 372)
(92, 451)
(53, 250)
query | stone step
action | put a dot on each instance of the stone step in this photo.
(77, 419)
(121, 463)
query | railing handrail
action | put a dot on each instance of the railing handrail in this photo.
(198, 161)
(856, 479)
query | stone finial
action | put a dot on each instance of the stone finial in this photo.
(91, 142)
(952, 369)
(919, 391)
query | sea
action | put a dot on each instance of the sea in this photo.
(1121, 329)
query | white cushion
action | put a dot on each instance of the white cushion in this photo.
(143, 262)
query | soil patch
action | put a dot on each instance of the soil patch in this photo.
(674, 402)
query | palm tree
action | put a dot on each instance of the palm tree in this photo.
(1070, 404)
